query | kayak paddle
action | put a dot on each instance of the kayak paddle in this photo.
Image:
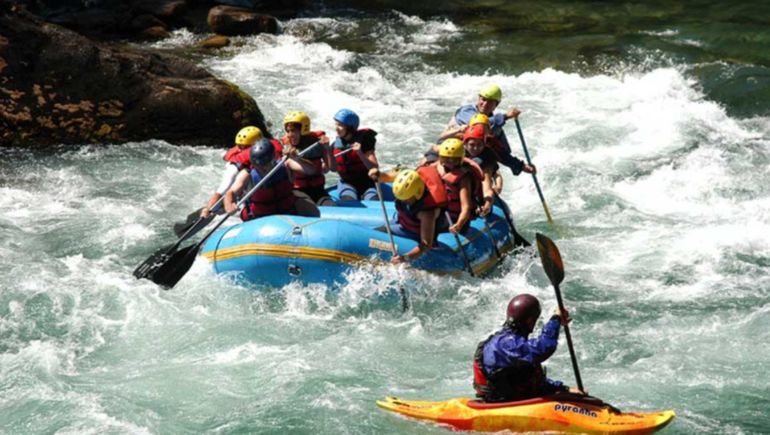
(554, 268)
(534, 176)
(460, 246)
(404, 300)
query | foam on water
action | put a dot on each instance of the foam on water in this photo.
(663, 215)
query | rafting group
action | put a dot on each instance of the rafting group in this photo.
(292, 221)
(460, 175)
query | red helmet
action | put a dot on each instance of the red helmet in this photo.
(523, 308)
(476, 131)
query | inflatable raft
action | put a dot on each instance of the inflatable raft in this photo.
(573, 414)
(277, 250)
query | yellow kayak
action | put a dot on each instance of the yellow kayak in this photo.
(568, 414)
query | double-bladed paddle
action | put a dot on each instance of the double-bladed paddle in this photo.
(554, 268)
(167, 267)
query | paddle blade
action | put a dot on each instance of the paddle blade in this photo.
(172, 270)
(551, 259)
(152, 262)
(188, 229)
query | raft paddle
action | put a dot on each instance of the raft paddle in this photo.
(534, 176)
(492, 238)
(404, 300)
(518, 239)
(167, 269)
(460, 246)
(554, 268)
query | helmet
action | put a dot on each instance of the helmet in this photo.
(247, 136)
(451, 148)
(479, 118)
(491, 92)
(348, 118)
(262, 152)
(475, 132)
(407, 185)
(300, 118)
(521, 309)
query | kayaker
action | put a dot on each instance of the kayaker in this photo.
(236, 158)
(507, 366)
(420, 201)
(488, 100)
(276, 196)
(463, 181)
(310, 178)
(358, 169)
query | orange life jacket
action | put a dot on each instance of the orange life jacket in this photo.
(435, 196)
(453, 182)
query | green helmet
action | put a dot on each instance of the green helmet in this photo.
(491, 92)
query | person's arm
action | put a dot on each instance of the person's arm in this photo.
(427, 234)
(240, 181)
(231, 171)
(542, 347)
(498, 177)
(465, 205)
(489, 194)
(455, 132)
(330, 159)
(301, 166)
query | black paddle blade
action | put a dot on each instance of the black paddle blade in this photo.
(551, 259)
(519, 241)
(181, 227)
(170, 272)
(152, 262)
(188, 229)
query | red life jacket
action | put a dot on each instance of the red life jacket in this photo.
(315, 157)
(350, 166)
(453, 181)
(435, 196)
(274, 197)
(519, 381)
(239, 157)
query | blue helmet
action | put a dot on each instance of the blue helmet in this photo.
(347, 118)
(262, 152)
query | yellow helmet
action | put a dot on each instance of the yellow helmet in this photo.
(248, 136)
(451, 148)
(491, 92)
(479, 118)
(300, 118)
(407, 185)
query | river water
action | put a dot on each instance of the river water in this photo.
(653, 153)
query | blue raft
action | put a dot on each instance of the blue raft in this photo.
(277, 250)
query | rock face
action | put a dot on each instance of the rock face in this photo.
(57, 87)
(232, 21)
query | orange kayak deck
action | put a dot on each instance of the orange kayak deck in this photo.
(534, 415)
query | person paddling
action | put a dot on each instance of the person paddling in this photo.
(309, 178)
(463, 181)
(488, 100)
(420, 200)
(507, 366)
(237, 158)
(358, 169)
(276, 196)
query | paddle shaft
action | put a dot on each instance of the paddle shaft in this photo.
(491, 237)
(404, 302)
(460, 246)
(569, 339)
(534, 176)
(518, 240)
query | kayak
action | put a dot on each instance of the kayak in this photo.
(568, 413)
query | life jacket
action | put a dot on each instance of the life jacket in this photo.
(315, 157)
(521, 380)
(453, 181)
(239, 157)
(350, 166)
(435, 196)
(274, 197)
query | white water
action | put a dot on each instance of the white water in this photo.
(663, 219)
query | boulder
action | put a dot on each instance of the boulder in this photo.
(216, 41)
(233, 21)
(58, 87)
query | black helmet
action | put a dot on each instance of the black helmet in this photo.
(262, 152)
(521, 310)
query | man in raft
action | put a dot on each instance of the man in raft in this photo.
(309, 178)
(489, 98)
(237, 158)
(358, 169)
(420, 201)
(507, 366)
(276, 195)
